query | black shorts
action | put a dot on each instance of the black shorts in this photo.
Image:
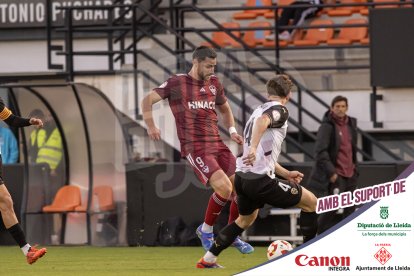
(254, 191)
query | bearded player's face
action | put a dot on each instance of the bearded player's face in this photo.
(205, 68)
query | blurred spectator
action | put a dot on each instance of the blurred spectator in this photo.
(298, 15)
(37, 137)
(8, 146)
(46, 144)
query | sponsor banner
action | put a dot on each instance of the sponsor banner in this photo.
(32, 13)
(378, 239)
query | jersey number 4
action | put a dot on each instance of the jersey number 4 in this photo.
(248, 132)
(283, 186)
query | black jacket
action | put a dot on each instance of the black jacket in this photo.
(326, 151)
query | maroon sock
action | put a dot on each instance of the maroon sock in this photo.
(234, 210)
(215, 205)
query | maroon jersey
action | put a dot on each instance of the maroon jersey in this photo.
(192, 103)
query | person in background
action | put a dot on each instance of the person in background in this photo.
(46, 144)
(297, 15)
(335, 170)
(8, 146)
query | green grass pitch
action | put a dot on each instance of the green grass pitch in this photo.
(120, 261)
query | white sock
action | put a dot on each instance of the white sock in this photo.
(209, 257)
(207, 228)
(25, 249)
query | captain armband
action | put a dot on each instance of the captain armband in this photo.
(5, 113)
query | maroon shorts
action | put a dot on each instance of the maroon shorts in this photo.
(207, 158)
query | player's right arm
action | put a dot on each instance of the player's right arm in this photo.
(149, 100)
(259, 127)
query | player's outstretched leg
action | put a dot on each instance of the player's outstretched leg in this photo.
(34, 254)
(242, 246)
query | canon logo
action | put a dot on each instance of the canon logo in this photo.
(303, 260)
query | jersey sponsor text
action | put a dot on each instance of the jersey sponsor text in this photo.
(201, 104)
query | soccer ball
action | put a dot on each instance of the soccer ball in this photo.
(278, 248)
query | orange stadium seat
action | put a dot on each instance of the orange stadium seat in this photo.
(66, 199)
(298, 34)
(346, 11)
(257, 37)
(253, 14)
(365, 41)
(223, 39)
(316, 36)
(272, 43)
(348, 36)
(105, 197)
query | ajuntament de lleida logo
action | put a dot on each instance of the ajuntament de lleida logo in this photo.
(384, 212)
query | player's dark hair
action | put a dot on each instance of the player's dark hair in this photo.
(339, 99)
(279, 86)
(203, 52)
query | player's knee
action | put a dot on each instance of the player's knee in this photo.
(221, 184)
(243, 222)
(312, 203)
(246, 221)
(225, 191)
(308, 202)
(248, 224)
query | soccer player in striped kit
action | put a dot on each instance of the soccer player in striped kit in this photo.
(194, 98)
(255, 181)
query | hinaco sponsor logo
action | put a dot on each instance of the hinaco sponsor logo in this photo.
(333, 263)
(201, 104)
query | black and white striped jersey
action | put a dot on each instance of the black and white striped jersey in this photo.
(270, 144)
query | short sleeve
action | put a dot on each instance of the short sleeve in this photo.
(278, 115)
(166, 88)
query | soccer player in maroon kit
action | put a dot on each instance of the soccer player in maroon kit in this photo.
(193, 99)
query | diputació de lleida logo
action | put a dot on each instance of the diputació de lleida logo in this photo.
(384, 212)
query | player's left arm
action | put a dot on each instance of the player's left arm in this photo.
(291, 176)
(15, 121)
(228, 120)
